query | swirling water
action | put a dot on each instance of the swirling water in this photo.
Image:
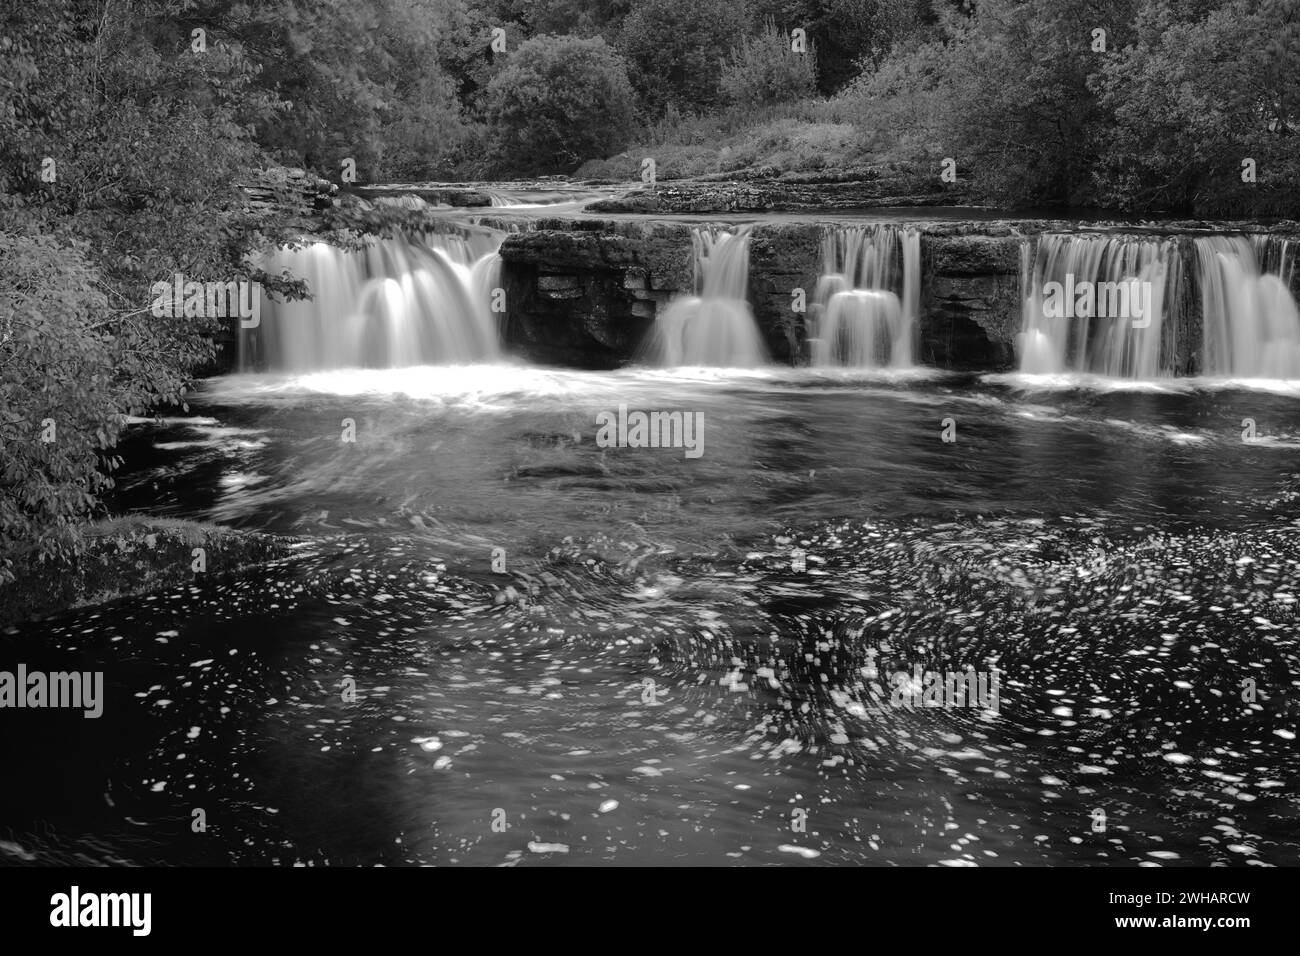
(653, 674)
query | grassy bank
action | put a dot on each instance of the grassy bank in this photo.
(805, 137)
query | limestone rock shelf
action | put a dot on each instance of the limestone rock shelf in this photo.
(583, 291)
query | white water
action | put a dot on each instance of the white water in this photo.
(864, 311)
(716, 326)
(1095, 339)
(1251, 321)
(397, 303)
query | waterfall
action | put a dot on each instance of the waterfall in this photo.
(1251, 321)
(715, 326)
(1097, 304)
(864, 311)
(397, 302)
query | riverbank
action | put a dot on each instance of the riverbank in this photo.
(129, 556)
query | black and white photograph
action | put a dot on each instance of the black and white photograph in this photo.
(615, 434)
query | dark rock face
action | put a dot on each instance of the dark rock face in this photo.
(970, 300)
(584, 293)
(291, 197)
(784, 260)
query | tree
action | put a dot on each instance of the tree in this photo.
(849, 33)
(421, 129)
(120, 154)
(1023, 120)
(1006, 93)
(1210, 89)
(559, 101)
(676, 48)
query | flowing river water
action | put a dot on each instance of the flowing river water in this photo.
(497, 643)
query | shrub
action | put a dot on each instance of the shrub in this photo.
(902, 107)
(423, 134)
(1005, 93)
(59, 411)
(765, 70)
(676, 50)
(558, 101)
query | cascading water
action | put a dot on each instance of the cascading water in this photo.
(864, 311)
(716, 326)
(1097, 304)
(1251, 321)
(397, 302)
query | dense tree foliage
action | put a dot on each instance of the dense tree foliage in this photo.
(558, 101)
(677, 49)
(851, 33)
(120, 151)
(1213, 88)
(58, 402)
(1176, 105)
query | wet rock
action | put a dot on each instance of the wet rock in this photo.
(584, 293)
(130, 556)
(289, 195)
(783, 259)
(762, 189)
(970, 300)
(435, 194)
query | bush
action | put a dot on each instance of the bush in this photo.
(1005, 93)
(902, 108)
(676, 51)
(852, 33)
(59, 411)
(558, 101)
(766, 70)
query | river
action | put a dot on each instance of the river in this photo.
(497, 643)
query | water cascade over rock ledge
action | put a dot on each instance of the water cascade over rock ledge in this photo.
(1099, 304)
(585, 292)
(865, 309)
(1251, 323)
(714, 327)
(423, 299)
